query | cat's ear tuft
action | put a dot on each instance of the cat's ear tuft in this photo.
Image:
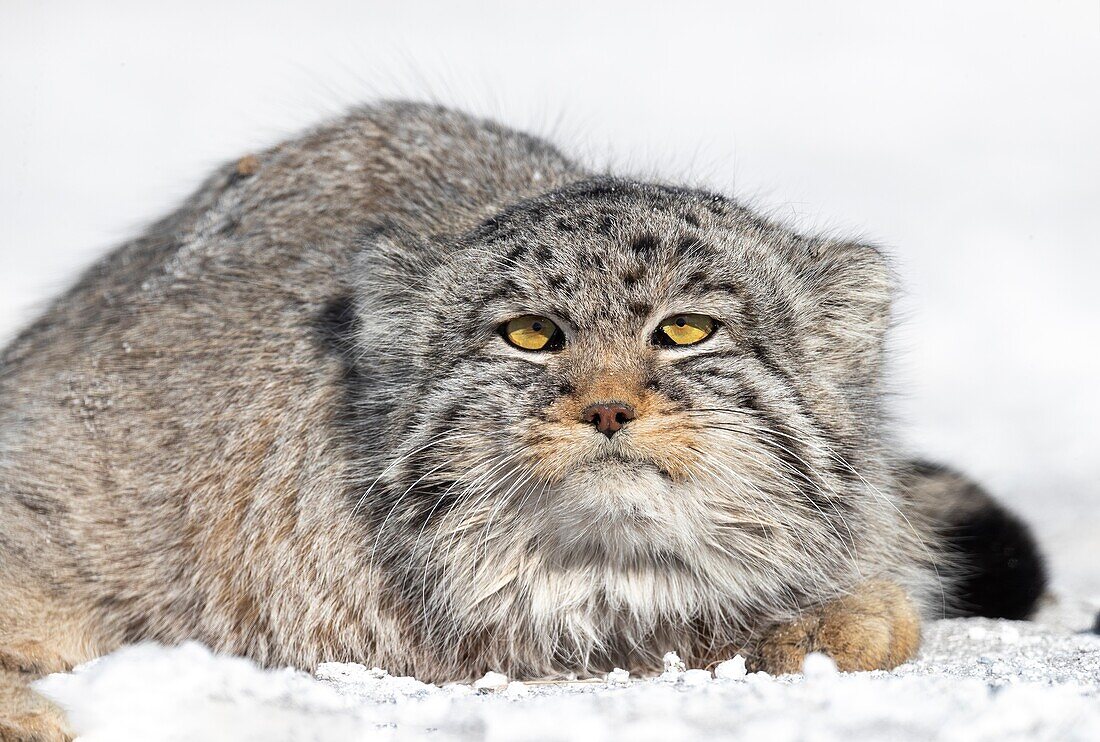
(851, 287)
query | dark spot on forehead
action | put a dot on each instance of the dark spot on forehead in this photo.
(698, 279)
(543, 254)
(556, 281)
(537, 212)
(565, 225)
(640, 308)
(691, 219)
(644, 244)
(633, 274)
(494, 229)
(606, 225)
(691, 246)
(703, 282)
(515, 253)
(502, 290)
(592, 260)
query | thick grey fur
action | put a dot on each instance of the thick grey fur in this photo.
(283, 421)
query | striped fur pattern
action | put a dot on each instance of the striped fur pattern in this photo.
(750, 485)
(283, 421)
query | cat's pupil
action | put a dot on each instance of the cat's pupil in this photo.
(680, 321)
(536, 326)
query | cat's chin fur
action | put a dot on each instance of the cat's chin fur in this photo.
(617, 565)
(622, 506)
(601, 601)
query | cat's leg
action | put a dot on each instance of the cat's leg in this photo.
(38, 635)
(876, 627)
(26, 716)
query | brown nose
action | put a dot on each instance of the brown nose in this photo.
(608, 417)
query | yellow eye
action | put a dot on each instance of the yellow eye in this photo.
(684, 329)
(531, 332)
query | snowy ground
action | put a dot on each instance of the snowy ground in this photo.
(961, 136)
(975, 679)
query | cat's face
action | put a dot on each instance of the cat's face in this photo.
(631, 376)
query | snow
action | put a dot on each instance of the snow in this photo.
(975, 679)
(696, 677)
(732, 669)
(491, 681)
(617, 676)
(674, 666)
(817, 666)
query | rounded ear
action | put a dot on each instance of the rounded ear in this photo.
(391, 281)
(391, 265)
(850, 288)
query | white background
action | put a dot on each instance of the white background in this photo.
(963, 137)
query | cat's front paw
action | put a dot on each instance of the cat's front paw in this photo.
(874, 628)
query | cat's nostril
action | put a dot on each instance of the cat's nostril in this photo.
(608, 417)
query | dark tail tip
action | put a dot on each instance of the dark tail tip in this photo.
(1003, 574)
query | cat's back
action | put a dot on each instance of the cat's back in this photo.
(183, 380)
(285, 219)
